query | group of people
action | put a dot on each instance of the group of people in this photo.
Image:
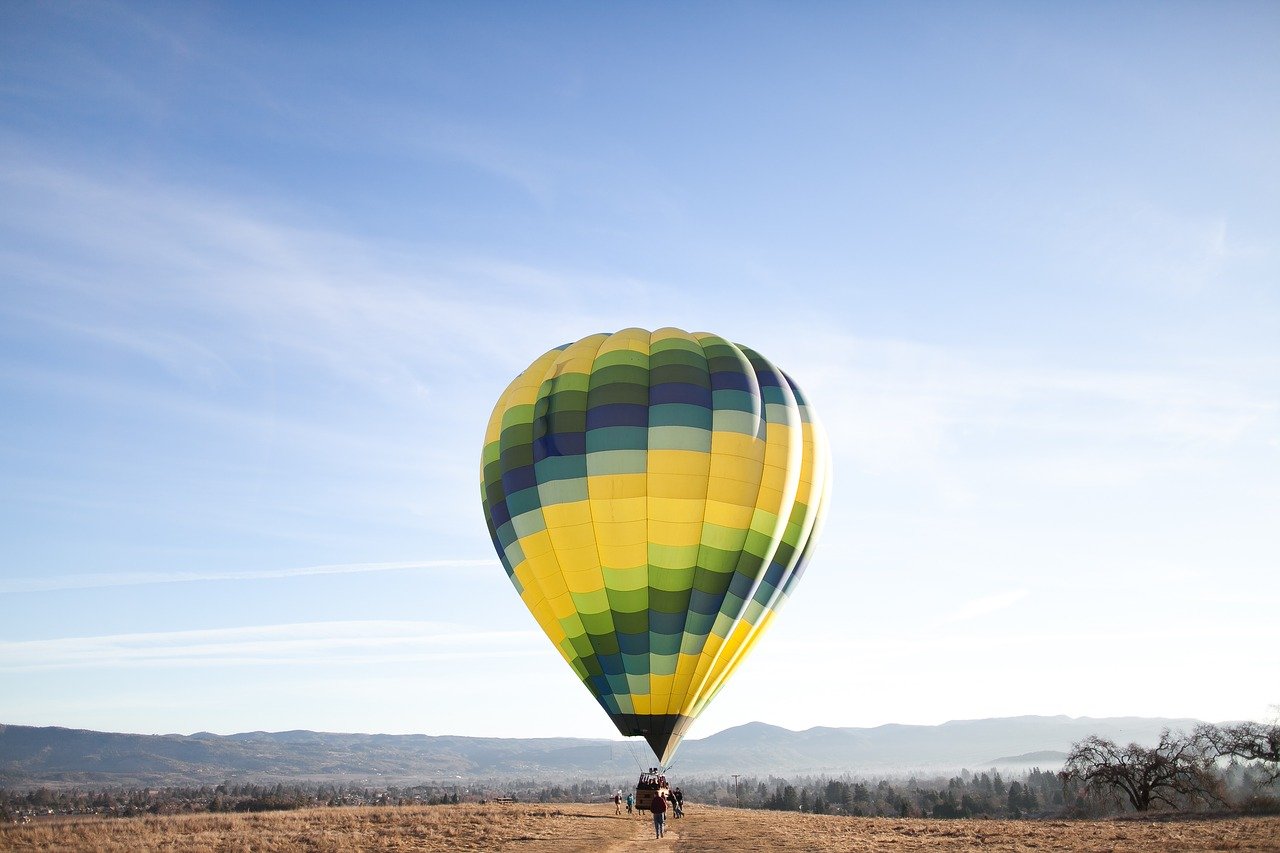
(664, 799)
(659, 805)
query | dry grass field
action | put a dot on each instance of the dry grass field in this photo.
(594, 828)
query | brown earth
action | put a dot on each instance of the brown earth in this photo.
(579, 828)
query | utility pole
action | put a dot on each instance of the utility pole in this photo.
(737, 789)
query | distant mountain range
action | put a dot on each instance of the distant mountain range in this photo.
(57, 756)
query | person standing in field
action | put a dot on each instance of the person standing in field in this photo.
(617, 802)
(630, 801)
(677, 798)
(659, 808)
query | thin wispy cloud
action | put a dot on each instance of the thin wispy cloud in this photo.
(315, 643)
(907, 406)
(357, 308)
(64, 582)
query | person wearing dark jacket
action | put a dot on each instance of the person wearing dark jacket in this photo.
(659, 808)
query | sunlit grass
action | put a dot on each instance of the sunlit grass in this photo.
(595, 828)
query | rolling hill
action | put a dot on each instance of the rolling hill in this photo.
(59, 756)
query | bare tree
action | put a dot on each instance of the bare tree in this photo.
(1173, 772)
(1258, 742)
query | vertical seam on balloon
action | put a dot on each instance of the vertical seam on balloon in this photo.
(500, 410)
(484, 491)
(505, 404)
(822, 477)
(648, 609)
(796, 437)
(591, 510)
(595, 649)
(626, 674)
(697, 560)
(550, 375)
(811, 508)
(762, 435)
(784, 516)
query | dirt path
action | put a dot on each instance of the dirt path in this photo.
(642, 836)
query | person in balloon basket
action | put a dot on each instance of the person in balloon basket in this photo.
(659, 808)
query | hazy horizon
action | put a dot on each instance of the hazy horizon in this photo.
(615, 738)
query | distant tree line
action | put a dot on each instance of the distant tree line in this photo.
(131, 802)
(983, 794)
(962, 796)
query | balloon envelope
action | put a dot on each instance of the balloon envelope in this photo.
(653, 497)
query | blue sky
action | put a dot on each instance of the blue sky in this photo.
(265, 272)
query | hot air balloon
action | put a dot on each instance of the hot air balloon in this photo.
(654, 498)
